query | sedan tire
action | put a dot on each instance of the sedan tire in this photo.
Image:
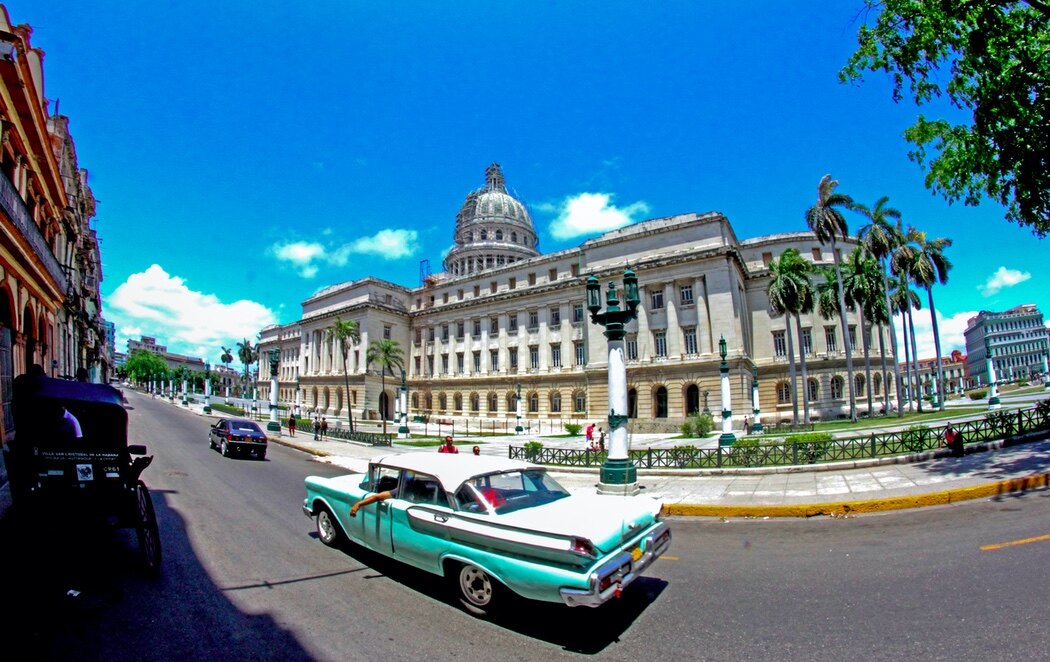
(225, 449)
(478, 592)
(328, 529)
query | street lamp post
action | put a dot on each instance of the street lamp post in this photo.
(993, 390)
(298, 393)
(274, 425)
(618, 473)
(727, 437)
(402, 431)
(1046, 372)
(756, 426)
(517, 411)
(207, 388)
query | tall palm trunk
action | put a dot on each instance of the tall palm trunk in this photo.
(791, 372)
(867, 355)
(937, 347)
(907, 360)
(885, 374)
(893, 345)
(845, 332)
(805, 380)
(915, 362)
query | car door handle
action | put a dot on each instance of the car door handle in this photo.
(441, 518)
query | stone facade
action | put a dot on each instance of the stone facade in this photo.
(471, 340)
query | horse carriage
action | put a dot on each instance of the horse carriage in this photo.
(70, 455)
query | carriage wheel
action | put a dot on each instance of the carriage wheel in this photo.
(147, 530)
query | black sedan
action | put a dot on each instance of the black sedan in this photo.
(237, 435)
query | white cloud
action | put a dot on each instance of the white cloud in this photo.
(307, 257)
(1003, 277)
(155, 303)
(951, 330)
(591, 213)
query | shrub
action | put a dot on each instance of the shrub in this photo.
(687, 428)
(978, 394)
(746, 452)
(573, 429)
(915, 438)
(1001, 423)
(227, 409)
(702, 424)
(811, 445)
(683, 456)
(532, 450)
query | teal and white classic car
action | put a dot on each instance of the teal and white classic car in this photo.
(491, 525)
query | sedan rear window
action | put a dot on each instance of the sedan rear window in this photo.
(245, 427)
(508, 491)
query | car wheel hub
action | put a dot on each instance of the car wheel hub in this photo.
(475, 585)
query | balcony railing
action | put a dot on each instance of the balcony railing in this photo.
(15, 209)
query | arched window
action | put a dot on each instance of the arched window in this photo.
(534, 402)
(442, 402)
(580, 401)
(632, 403)
(876, 384)
(836, 387)
(858, 385)
(429, 399)
(415, 401)
(499, 235)
(512, 402)
(475, 402)
(514, 237)
(814, 389)
(493, 402)
(783, 392)
(555, 402)
(692, 399)
(457, 402)
(484, 235)
(660, 403)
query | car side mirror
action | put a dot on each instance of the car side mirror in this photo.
(136, 449)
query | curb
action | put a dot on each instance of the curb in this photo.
(844, 508)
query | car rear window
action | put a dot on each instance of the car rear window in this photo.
(244, 427)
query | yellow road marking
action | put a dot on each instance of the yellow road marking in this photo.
(670, 558)
(989, 548)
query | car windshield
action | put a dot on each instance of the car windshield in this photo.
(508, 491)
(245, 427)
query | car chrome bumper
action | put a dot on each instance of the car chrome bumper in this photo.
(620, 570)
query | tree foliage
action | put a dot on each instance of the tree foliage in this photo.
(990, 57)
(143, 366)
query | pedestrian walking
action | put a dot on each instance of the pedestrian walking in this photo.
(601, 439)
(590, 434)
(291, 425)
(747, 425)
(324, 428)
(449, 447)
(317, 429)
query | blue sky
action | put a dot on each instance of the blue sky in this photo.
(247, 154)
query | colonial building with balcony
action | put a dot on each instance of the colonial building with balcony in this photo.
(50, 268)
(1015, 340)
(502, 315)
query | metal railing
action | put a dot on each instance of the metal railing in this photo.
(376, 439)
(916, 439)
(16, 210)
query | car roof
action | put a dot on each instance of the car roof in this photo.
(452, 469)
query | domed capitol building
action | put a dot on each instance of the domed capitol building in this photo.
(502, 316)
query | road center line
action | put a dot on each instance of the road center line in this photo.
(1025, 541)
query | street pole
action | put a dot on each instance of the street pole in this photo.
(756, 426)
(517, 411)
(727, 437)
(402, 431)
(298, 393)
(275, 424)
(207, 388)
(993, 390)
(618, 473)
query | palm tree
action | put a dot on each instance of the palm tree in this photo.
(388, 354)
(825, 219)
(861, 284)
(783, 298)
(347, 333)
(881, 238)
(246, 354)
(877, 314)
(904, 300)
(227, 356)
(930, 266)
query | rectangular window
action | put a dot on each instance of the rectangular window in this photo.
(656, 299)
(779, 344)
(555, 317)
(459, 330)
(685, 295)
(386, 332)
(534, 320)
(829, 338)
(494, 326)
(444, 364)
(430, 334)
(444, 332)
(477, 362)
(578, 350)
(477, 291)
(815, 252)
(512, 283)
(459, 364)
(477, 328)
(459, 295)
(689, 339)
(513, 358)
(418, 365)
(419, 336)
(512, 323)
(532, 279)
(807, 341)
(444, 297)
(660, 344)
(494, 360)
(534, 357)
(852, 338)
(492, 287)
(552, 275)
(577, 313)
(631, 345)
(556, 355)
(430, 365)
(767, 259)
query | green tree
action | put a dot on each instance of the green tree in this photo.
(904, 301)
(389, 355)
(145, 367)
(862, 285)
(929, 266)
(346, 333)
(991, 57)
(826, 220)
(227, 356)
(247, 353)
(881, 237)
(790, 293)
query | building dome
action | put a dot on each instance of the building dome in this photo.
(493, 229)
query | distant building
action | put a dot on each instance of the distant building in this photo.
(954, 369)
(1016, 341)
(503, 317)
(173, 361)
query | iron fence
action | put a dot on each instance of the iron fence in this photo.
(916, 439)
